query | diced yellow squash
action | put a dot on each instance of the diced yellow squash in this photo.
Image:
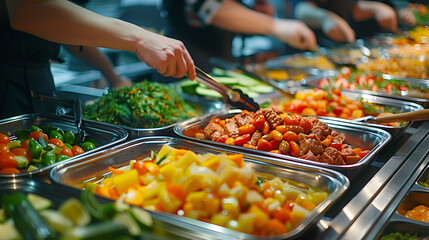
(166, 150)
(276, 183)
(211, 163)
(211, 204)
(224, 190)
(230, 175)
(297, 215)
(279, 196)
(246, 222)
(247, 175)
(152, 190)
(237, 159)
(196, 199)
(319, 197)
(291, 192)
(187, 159)
(179, 176)
(231, 205)
(134, 197)
(220, 219)
(167, 171)
(147, 178)
(254, 197)
(168, 203)
(274, 205)
(125, 180)
(240, 192)
(261, 217)
(233, 224)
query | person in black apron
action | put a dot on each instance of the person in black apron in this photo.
(24, 58)
(24, 67)
(192, 22)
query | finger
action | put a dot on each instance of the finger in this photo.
(161, 68)
(189, 64)
(171, 63)
(180, 64)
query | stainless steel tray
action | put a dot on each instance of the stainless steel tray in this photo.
(203, 104)
(356, 135)
(102, 135)
(403, 106)
(293, 61)
(58, 195)
(95, 166)
(313, 81)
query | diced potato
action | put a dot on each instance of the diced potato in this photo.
(134, 197)
(220, 219)
(276, 183)
(152, 189)
(231, 205)
(254, 197)
(319, 197)
(166, 149)
(297, 215)
(125, 180)
(196, 199)
(246, 222)
(261, 216)
(167, 171)
(187, 159)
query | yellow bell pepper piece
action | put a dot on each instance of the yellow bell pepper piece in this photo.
(125, 180)
(134, 197)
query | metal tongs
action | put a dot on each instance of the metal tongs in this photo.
(419, 115)
(234, 97)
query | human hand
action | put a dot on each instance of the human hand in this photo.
(168, 56)
(337, 29)
(264, 6)
(407, 16)
(386, 17)
(121, 82)
(294, 33)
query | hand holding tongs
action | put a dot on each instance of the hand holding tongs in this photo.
(235, 97)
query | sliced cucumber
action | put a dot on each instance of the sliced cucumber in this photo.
(2, 215)
(218, 71)
(8, 231)
(73, 209)
(96, 231)
(207, 92)
(22, 162)
(128, 221)
(39, 202)
(143, 217)
(243, 79)
(56, 220)
(227, 80)
(189, 86)
(262, 89)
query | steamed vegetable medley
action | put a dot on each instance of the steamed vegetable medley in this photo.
(142, 105)
(331, 103)
(36, 148)
(272, 130)
(220, 189)
(32, 217)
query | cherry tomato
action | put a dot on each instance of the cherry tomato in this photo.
(266, 128)
(76, 150)
(275, 144)
(338, 146)
(306, 125)
(363, 153)
(9, 171)
(240, 140)
(24, 144)
(4, 147)
(216, 120)
(22, 152)
(291, 119)
(264, 145)
(140, 167)
(223, 138)
(56, 142)
(290, 136)
(246, 129)
(294, 149)
(282, 214)
(66, 151)
(258, 121)
(4, 138)
(7, 160)
(35, 135)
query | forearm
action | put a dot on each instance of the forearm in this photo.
(235, 17)
(64, 22)
(364, 10)
(93, 57)
(310, 14)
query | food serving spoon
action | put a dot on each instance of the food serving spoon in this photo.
(419, 115)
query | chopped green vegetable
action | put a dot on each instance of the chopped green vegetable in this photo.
(399, 236)
(142, 105)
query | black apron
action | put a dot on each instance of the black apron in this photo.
(24, 67)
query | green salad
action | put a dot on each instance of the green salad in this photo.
(399, 236)
(142, 105)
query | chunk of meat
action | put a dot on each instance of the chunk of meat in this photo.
(231, 127)
(320, 129)
(255, 138)
(335, 155)
(310, 156)
(310, 143)
(213, 131)
(244, 118)
(272, 115)
(347, 151)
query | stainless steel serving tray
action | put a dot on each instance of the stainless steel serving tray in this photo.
(403, 106)
(102, 135)
(313, 81)
(356, 135)
(203, 104)
(94, 166)
(290, 61)
(58, 195)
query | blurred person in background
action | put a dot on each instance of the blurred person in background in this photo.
(30, 31)
(207, 27)
(345, 20)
